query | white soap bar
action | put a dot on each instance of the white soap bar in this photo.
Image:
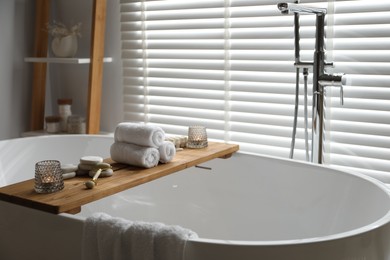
(92, 160)
(66, 168)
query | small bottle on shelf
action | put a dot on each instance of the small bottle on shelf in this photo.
(76, 125)
(64, 110)
(53, 124)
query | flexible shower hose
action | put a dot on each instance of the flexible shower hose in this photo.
(292, 147)
(305, 75)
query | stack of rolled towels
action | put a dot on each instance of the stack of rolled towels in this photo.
(141, 145)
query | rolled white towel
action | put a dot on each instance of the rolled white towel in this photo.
(167, 151)
(139, 134)
(136, 155)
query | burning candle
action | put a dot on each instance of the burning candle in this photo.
(48, 176)
(197, 137)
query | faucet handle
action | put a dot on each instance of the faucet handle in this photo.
(344, 82)
(341, 95)
(329, 64)
(336, 80)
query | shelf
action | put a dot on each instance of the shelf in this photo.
(95, 62)
(64, 60)
(75, 194)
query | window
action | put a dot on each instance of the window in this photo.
(228, 65)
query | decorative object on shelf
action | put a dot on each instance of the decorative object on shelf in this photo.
(105, 167)
(178, 141)
(98, 168)
(65, 41)
(64, 109)
(88, 163)
(48, 176)
(76, 125)
(53, 124)
(197, 137)
(92, 183)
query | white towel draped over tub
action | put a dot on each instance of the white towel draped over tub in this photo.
(110, 238)
(139, 134)
(167, 151)
(132, 154)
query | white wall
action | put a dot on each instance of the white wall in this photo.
(15, 75)
(16, 42)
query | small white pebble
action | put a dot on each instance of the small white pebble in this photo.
(68, 175)
(66, 168)
(92, 160)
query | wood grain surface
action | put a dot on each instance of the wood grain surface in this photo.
(75, 194)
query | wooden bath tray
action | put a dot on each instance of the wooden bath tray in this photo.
(75, 194)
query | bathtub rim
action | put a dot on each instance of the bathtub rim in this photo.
(61, 135)
(367, 228)
(384, 220)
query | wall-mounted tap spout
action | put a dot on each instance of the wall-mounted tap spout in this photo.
(287, 8)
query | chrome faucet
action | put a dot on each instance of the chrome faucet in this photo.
(320, 78)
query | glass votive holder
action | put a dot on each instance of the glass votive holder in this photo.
(197, 137)
(48, 176)
(76, 125)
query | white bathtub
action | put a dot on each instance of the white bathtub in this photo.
(246, 207)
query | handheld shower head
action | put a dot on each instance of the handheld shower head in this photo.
(287, 8)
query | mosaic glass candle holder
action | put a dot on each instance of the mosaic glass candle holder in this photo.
(197, 137)
(48, 176)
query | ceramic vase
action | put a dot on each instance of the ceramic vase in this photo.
(65, 47)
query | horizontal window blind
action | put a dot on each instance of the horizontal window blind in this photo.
(228, 65)
(358, 132)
